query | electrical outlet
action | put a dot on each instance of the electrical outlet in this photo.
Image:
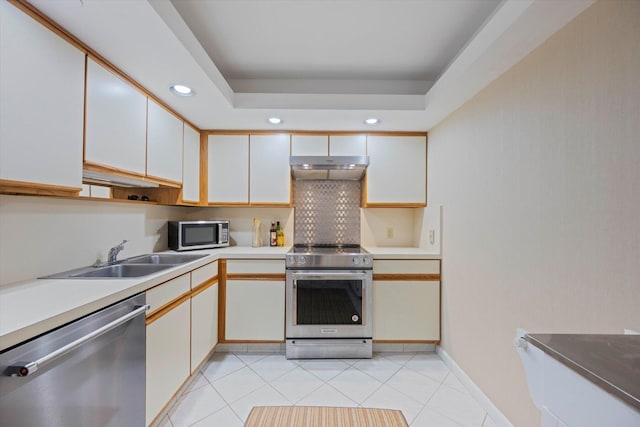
(389, 232)
(432, 236)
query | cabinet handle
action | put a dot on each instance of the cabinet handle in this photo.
(26, 369)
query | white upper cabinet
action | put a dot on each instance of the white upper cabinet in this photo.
(309, 145)
(270, 173)
(397, 173)
(164, 144)
(348, 145)
(191, 165)
(116, 122)
(228, 169)
(41, 104)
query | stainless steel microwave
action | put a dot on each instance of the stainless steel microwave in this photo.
(188, 235)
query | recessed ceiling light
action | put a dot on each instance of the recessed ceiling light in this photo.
(182, 90)
(275, 120)
(372, 121)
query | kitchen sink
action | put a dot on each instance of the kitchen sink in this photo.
(138, 266)
(123, 270)
(173, 259)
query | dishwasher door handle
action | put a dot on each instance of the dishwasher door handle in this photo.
(25, 369)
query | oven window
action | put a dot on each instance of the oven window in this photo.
(198, 234)
(329, 302)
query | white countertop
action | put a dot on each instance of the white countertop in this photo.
(31, 307)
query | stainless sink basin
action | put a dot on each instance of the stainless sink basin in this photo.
(173, 259)
(142, 265)
(123, 270)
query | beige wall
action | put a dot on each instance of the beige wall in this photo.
(44, 235)
(539, 178)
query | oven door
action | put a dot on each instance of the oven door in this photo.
(329, 304)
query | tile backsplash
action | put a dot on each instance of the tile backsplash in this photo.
(327, 212)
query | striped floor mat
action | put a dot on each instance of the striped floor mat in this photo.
(320, 416)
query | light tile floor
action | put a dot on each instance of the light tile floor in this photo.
(419, 384)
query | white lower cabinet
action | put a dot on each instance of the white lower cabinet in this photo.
(168, 357)
(255, 310)
(204, 325)
(182, 329)
(406, 310)
(254, 305)
(406, 300)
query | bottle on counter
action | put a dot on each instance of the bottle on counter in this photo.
(279, 235)
(273, 240)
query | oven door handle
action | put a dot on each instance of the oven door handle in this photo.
(329, 276)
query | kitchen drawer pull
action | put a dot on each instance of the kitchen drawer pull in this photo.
(26, 369)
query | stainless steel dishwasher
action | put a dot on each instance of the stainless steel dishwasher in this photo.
(90, 372)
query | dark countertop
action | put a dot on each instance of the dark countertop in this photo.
(612, 362)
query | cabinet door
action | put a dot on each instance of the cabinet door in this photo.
(228, 165)
(406, 310)
(116, 122)
(397, 174)
(348, 145)
(270, 173)
(164, 144)
(254, 310)
(168, 357)
(309, 145)
(204, 325)
(41, 104)
(191, 165)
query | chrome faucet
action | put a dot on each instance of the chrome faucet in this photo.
(114, 251)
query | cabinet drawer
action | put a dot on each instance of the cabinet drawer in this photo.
(406, 266)
(167, 292)
(203, 274)
(243, 266)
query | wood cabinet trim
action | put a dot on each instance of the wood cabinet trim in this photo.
(166, 308)
(163, 181)
(161, 311)
(265, 277)
(222, 298)
(229, 204)
(407, 277)
(19, 187)
(204, 286)
(204, 169)
(406, 341)
(394, 205)
(310, 132)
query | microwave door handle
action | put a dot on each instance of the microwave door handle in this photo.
(220, 233)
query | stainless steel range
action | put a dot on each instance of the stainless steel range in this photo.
(328, 302)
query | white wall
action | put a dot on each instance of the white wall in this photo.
(45, 235)
(241, 222)
(539, 178)
(375, 222)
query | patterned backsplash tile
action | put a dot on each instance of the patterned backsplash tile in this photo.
(327, 212)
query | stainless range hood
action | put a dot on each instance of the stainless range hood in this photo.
(349, 168)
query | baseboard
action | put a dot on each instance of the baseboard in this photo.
(494, 413)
